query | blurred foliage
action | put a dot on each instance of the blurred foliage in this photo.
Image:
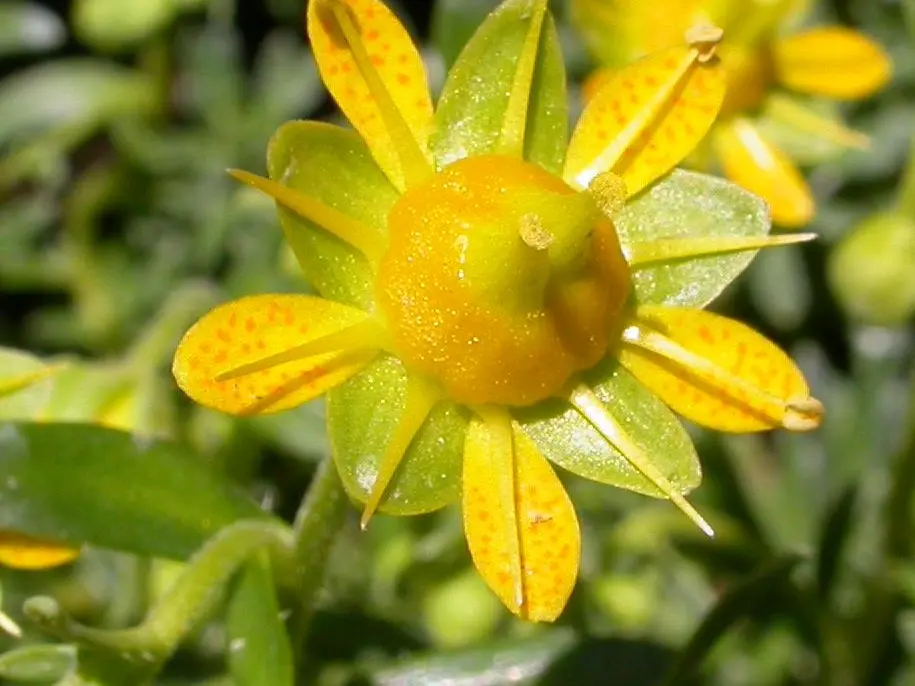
(118, 227)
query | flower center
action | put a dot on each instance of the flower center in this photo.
(500, 281)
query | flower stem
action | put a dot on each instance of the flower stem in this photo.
(317, 524)
(189, 600)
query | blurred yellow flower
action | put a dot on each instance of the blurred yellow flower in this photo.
(826, 61)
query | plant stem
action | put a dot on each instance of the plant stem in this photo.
(317, 524)
(906, 200)
(189, 600)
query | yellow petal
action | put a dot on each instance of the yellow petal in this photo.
(595, 82)
(832, 61)
(24, 552)
(752, 162)
(520, 524)
(647, 117)
(717, 372)
(373, 70)
(267, 353)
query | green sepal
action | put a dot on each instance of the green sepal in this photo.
(473, 103)
(568, 440)
(361, 417)
(71, 482)
(687, 204)
(334, 166)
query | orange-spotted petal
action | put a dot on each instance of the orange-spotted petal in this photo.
(374, 72)
(750, 161)
(717, 372)
(649, 115)
(19, 551)
(832, 61)
(595, 82)
(267, 353)
(520, 524)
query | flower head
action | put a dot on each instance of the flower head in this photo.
(761, 63)
(493, 300)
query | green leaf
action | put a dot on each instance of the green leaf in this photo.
(361, 417)
(75, 92)
(334, 166)
(568, 440)
(258, 643)
(501, 663)
(734, 605)
(38, 663)
(682, 205)
(85, 484)
(454, 23)
(28, 27)
(474, 101)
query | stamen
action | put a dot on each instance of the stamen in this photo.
(701, 46)
(786, 110)
(413, 161)
(794, 414)
(704, 38)
(498, 423)
(351, 231)
(512, 135)
(366, 335)
(609, 192)
(534, 234)
(421, 397)
(670, 249)
(591, 408)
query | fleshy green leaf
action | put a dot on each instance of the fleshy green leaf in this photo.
(361, 417)
(334, 166)
(29, 27)
(38, 664)
(70, 482)
(690, 205)
(568, 440)
(258, 643)
(472, 108)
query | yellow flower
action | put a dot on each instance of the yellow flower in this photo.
(489, 292)
(826, 61)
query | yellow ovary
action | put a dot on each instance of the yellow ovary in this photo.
(500, 281)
